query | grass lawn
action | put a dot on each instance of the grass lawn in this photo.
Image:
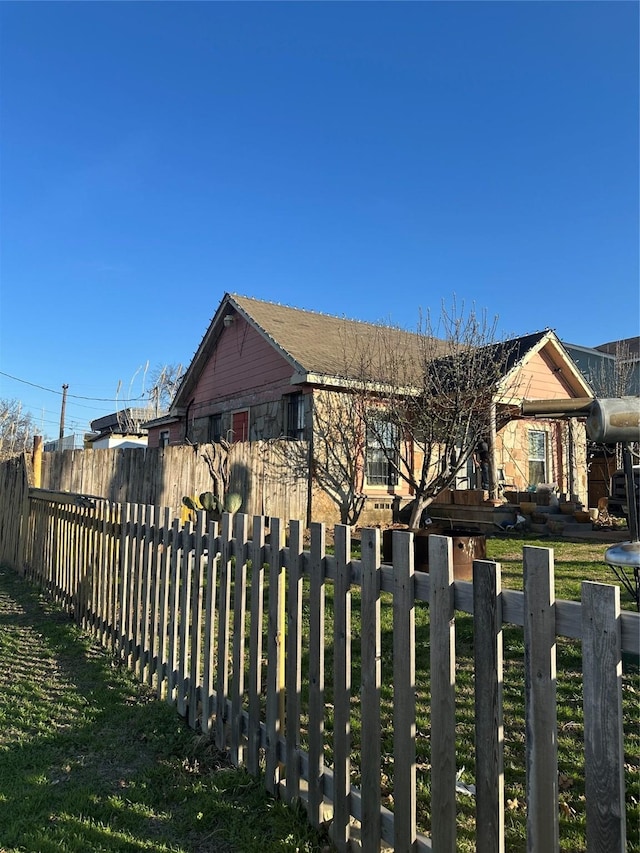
(91, 761)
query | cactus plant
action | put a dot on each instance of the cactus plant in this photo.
(232, 502)
(209, 501)
(211, 504)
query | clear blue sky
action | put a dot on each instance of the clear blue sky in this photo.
(359, 159)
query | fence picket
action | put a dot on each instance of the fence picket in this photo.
(340, 826)
(370, 691)
(488, 658)
(174, 612)
(126, 544)
(316, 673)
(239, 612)
(275, 651)
(211, 573)
(255, 645)
(224, 603)
(101, 547)
(145, 594)
(156, 586)
(184, 618)
(540, 700)
(163, 606)
(442, 653)
(404, 693)
(293, 678)
(195, 619)
(603, 730)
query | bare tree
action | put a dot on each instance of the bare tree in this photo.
(430, 399)
(165, 381)
(337, 450)
(614, 377)
(17, 429)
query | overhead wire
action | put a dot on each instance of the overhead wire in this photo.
(73, 396)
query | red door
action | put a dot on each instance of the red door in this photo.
(240, 426)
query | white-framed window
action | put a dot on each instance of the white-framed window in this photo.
(382, 452)
(537, 457)
(164, 438)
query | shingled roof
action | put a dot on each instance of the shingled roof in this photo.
(318, 344)
(320, 347)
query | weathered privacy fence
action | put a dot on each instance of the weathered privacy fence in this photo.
(253, 640)
(271, 476)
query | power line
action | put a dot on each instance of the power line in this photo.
(75, 396)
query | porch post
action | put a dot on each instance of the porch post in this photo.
(493, 480)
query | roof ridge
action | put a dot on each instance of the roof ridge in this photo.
(378, 323)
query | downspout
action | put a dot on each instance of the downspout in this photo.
(186, 423)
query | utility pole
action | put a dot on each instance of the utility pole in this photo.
(65, 388)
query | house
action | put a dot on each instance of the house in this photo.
(123, 428)
(262, 371)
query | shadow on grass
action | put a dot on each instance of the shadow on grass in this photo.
(90, 760)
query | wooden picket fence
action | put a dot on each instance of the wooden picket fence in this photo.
(229, 621)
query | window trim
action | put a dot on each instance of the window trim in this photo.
(543, 458)
(381, 480)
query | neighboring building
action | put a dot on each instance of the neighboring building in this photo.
(613, 370)
(119, 429)
(261, 368)
(69, 442)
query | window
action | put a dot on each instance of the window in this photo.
(382, 453)
(295, 416)
(164, 438)
(215, 428)
(537, 457)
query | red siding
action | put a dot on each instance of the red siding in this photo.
(243, 361)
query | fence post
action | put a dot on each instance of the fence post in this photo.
(541, 716)
(603, 729)
(404, 693)
(488, 662)
(443, 704)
